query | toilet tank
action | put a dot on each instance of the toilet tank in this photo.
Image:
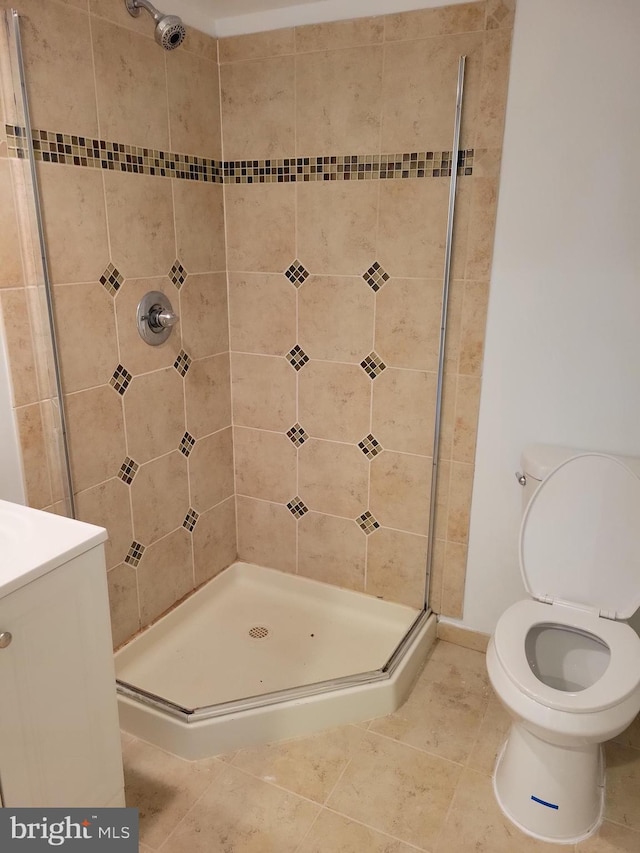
(539, 460)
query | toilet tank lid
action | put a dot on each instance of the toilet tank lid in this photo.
(539, 460)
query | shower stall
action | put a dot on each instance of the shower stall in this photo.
(286, 478)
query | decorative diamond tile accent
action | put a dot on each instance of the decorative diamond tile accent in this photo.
(375, 277)
(297, 435)
(182, 363)
(370, 446)
(373, 365)
(190, 520)
(136, 550)
(296, 273)
(111, 280)
(297, 357)
(128, 470)
(178, 274)
(367, 522)
(498, 16)
(121, 379)
(186, 444)
(297, 507)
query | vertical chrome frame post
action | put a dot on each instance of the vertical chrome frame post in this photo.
(14, 19)
(446, 280)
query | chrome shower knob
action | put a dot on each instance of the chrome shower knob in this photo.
(162, 318)
(156, 318)
(5, 639)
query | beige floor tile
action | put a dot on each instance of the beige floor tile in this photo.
(631, 735)
(611, 838)
(308, 766)
(126, 739)
(332, 832)
(459, 656)
(163, 788)
(241, 814)
(623, 785)
(491, 736)
(476, 823)
(444, 712)
(396, 789)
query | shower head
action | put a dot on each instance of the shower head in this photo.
(170, 31)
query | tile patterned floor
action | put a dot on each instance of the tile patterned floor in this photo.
(417, 780)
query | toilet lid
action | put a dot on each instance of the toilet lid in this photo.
(580, 536)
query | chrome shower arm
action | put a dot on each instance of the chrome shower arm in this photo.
(134, 7)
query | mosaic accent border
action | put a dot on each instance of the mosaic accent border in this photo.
(68, 149)
(71, 150)
(349, 167)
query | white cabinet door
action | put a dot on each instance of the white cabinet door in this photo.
(59, 737)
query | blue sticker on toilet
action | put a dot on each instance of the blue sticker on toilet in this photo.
(544, 803)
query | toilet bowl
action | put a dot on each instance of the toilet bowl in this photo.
(564, 665)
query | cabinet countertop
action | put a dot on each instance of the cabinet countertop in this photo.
(33, 542)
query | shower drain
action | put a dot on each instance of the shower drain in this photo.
(258, 632)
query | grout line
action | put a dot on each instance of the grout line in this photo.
(271, 784)
(166, 97)
(355, 444)
(624, 825)
(95, 76)
(180, 293)
(344, 363)
(329, 515)
(300, 846)
(375, 829)
(352, 275)
(323, 805)
(218, 777)
(416, 748)
(115, 321)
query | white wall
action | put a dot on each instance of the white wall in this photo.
(562, 362)
(251, 16)
(11, 486)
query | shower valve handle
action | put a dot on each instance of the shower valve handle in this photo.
(160, 318)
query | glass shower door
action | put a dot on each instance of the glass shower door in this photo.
(45, 418)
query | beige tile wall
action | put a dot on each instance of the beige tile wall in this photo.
(370, 86)
(111, 81)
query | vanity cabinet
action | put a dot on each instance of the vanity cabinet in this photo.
(59, 734)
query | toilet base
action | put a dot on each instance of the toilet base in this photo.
(550, 792)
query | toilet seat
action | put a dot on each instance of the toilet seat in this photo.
(579, 541)
(619, 680)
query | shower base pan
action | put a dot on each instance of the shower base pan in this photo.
(257, 655)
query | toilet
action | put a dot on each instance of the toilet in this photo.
(564, 663)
